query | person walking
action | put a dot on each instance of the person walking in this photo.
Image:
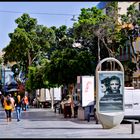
(8, 108)
(12, 102)
(18, 104)
(26, 102)
(2, 99)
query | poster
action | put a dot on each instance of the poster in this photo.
(87, 90)
(110, 88)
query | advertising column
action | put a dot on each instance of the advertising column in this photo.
(110, 94)
(87, 90)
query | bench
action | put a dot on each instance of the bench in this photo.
(132, 124)
(67, 110)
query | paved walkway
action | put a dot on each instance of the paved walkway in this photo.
(44, 123)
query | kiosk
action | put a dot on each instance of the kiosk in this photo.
(110, 93)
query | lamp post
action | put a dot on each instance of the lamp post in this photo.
(73, 18)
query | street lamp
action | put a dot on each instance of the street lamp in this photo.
(73, 18)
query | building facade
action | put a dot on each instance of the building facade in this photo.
(126, 52)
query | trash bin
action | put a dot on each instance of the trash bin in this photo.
(67, 110)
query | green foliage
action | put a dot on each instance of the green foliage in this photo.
(27, 23)
(1, 60)
(29, 45)
(30, 81)
(46, 54)
(66, 65)
(96, 29)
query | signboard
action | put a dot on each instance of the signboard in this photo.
(110, 84)
(8, 79)
(87, 90)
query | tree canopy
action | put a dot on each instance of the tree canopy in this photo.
(48, 55)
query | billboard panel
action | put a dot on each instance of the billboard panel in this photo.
(87, 90)
(111, 89)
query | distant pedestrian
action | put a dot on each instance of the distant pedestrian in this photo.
(8, 108)
(26, 103)
(12, 102)
(2, 99)
(18, 104)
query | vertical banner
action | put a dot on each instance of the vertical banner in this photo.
(110, 84)
(87, 90)
(8, 79)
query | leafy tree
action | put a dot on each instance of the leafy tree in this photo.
(98, 31)
(64, 37)
(28, 42)
(20, 46)
(64, 66)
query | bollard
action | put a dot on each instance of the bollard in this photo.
(132, 124)
(133, 127)
(88, 117)
(55, 109)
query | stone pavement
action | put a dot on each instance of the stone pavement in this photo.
(44, 123)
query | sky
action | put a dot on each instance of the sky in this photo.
(47, 14)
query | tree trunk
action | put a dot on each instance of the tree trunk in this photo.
(99, 58)
(52, 97)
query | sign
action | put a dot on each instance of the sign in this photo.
(87, 90)
(110, 84)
